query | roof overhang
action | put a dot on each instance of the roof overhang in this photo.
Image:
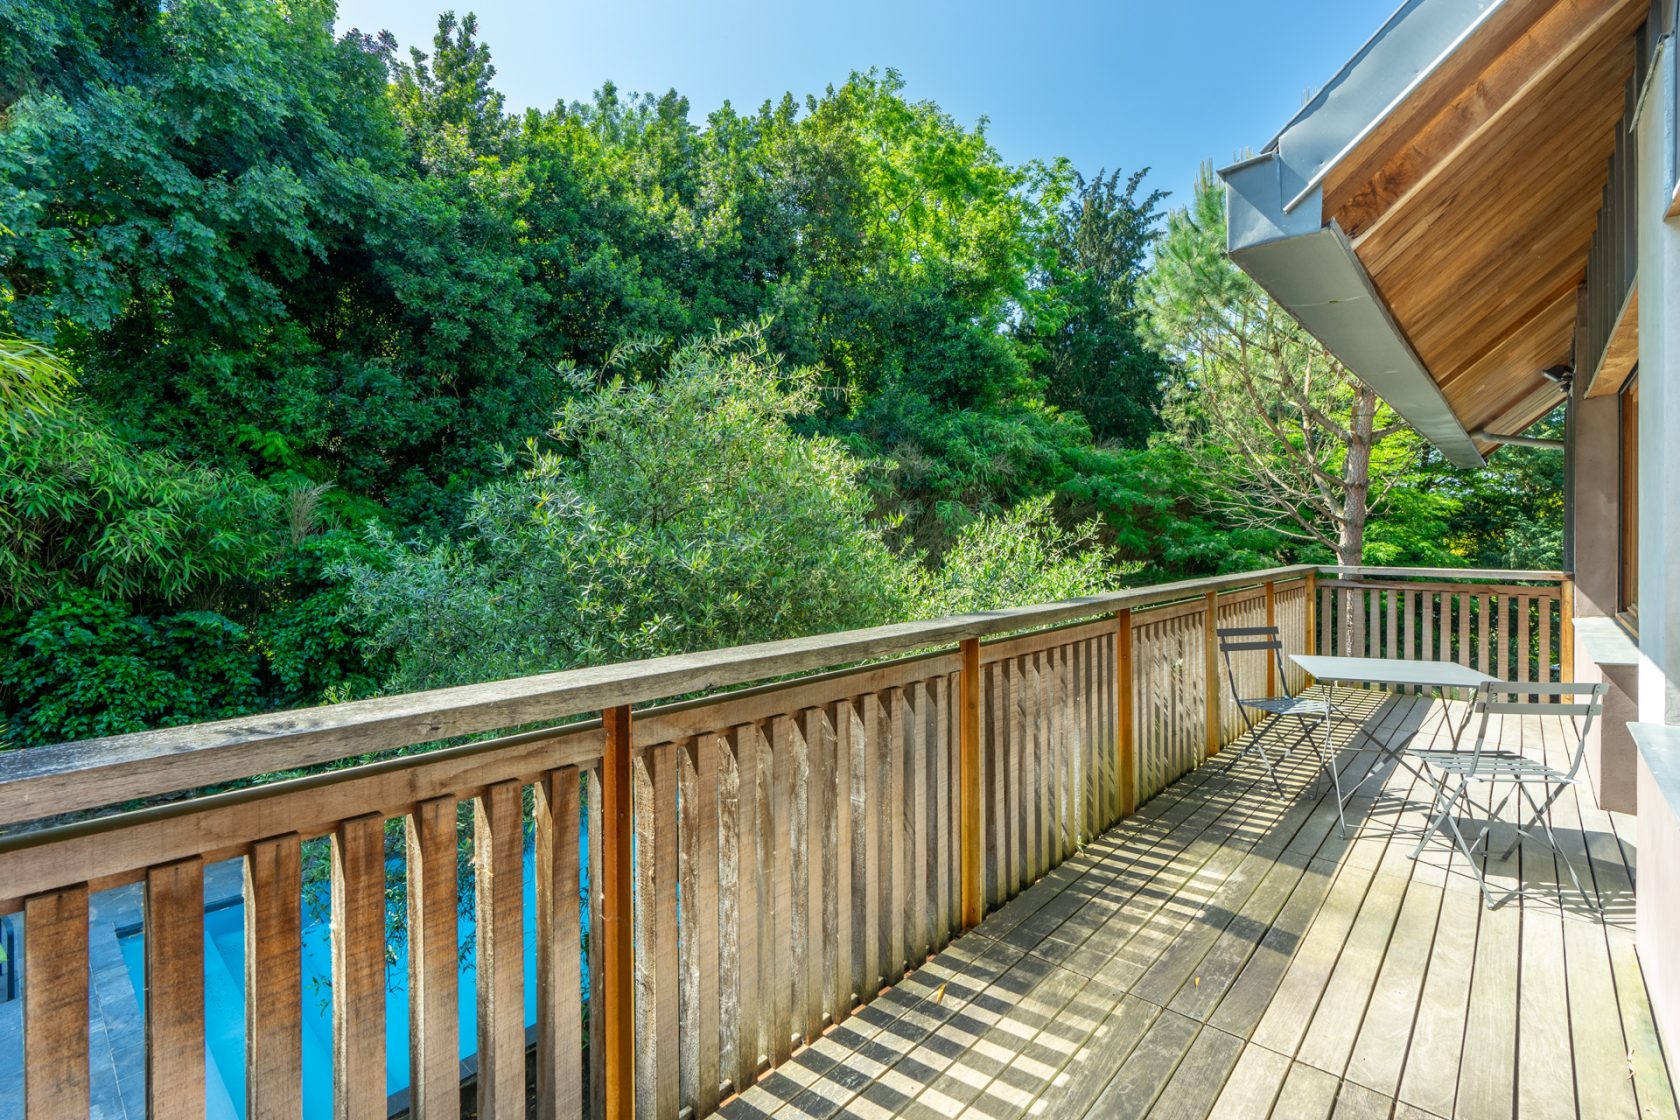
(1427, 215)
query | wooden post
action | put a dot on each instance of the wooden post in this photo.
(1210, 671)
(1271, 620)
(1566, 628)
(1124, 746)
(1310, 641)
(617, 994)
(968, 740)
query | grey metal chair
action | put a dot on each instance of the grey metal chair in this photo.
(1488, 765)
(1256, 710)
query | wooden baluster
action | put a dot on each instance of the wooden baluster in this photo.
(1566, 628)
(1446, 622)
(617, 994)
(843, 719)
(1485, 637)
(358, 968)
(559, 947)
(654, 916)
(776, 812)
(55, 1005)
(739, 830)
(947, 797)
(594, 828)
(1391, 644)
(174, 906)
(1525, 604)
(819, 877)
(273, 980)
(872, 746)
(433, 961)
(898, 878)
(918, 749)
(1309, 606)
(1544, 649)
(1210, 672)
(1408, 625)
(1271, 620)
(1125, 739)
(699, 905)
(968, 768)
(498, 849)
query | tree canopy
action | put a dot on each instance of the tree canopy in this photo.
(291, 332)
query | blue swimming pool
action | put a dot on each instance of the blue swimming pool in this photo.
(224, 999)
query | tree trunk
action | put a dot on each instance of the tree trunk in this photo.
(1356, 477)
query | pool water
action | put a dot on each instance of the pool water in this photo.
(224, 1002)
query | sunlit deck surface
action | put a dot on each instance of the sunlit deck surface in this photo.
(1225, 952)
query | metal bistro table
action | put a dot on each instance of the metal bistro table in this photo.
(1437, 676)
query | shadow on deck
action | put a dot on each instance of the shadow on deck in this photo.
(1226, 952)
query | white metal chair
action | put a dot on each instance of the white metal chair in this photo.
(1489, 765)
(1305, 709)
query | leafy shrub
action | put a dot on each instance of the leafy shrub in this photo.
(1019, 558)
(691, 516)
(81, 666)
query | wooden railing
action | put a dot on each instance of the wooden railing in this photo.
(1509, 624)
(717, 880)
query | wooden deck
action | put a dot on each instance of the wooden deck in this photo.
(1226, 953)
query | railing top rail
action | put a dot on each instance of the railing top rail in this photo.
(69, 777)
(1500, 574)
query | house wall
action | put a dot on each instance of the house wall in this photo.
(1659, 405)
(1595, 480)
(1658, 823)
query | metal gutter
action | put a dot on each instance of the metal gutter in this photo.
(1311, 270)
(1278, 233)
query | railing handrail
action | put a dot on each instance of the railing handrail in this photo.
(1356, 572)
(90, 773)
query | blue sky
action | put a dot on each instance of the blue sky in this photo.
(1128, 84)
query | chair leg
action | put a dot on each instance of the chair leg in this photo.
(1542, 817)
(1256, 742)
(1328, 755)
(1439, 805)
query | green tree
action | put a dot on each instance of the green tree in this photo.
(1296, 444)
(1093, 355)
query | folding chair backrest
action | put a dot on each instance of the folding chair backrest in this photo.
(1244, 639)
(1563, 701)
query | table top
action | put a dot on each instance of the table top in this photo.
(1390, 670)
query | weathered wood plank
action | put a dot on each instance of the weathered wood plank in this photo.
(868, 815)
(55, 1005)
(358, 969)
(559, 1056)
(1430, 1078)
(820, 875)
(174, 915)
(844, 988)
(498, 874)
(1487, 1073)
(273, 981)
(1252, 1086)
(433, 960)
(1307, 1094)
(614, 1030)
(1379, 1053)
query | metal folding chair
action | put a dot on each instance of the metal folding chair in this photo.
(1489, 765)
(1250, 639)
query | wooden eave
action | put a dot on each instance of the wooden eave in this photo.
(1472, 203)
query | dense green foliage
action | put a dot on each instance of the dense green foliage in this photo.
(319, 428)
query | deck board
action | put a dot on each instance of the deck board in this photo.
(1229, 953)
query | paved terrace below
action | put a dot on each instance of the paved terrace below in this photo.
(1226, 953)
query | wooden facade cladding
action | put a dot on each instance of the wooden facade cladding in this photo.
(760, 863)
